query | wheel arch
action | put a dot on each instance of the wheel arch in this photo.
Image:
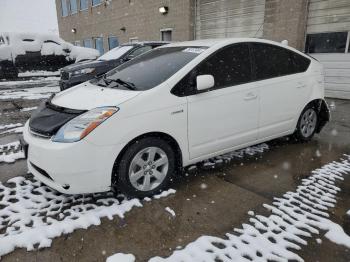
(323, 112)
(164, 136)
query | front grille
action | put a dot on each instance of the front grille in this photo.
(41, 171)
(64, 75)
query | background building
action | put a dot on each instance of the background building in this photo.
(318, 27)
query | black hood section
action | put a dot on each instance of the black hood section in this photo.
(49, 118)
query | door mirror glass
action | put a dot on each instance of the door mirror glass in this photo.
(205, 82)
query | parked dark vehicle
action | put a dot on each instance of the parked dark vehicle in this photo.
(28, 51)
(80, 72)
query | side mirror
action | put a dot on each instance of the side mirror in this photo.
(205, 82)
(128, 58)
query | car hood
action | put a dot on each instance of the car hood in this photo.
(82, 65)
(87, 96)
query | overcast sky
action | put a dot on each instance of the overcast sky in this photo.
(28, 16)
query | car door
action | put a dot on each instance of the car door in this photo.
(283, 89)
(225, 116)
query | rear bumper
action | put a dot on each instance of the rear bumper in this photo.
(324, 115)
(70, 168)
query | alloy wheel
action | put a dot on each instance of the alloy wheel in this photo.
(308, 122)
(148, 168)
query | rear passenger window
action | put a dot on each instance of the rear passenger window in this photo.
(273, 61)
(229, 66)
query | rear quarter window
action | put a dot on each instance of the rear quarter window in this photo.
(273, 61)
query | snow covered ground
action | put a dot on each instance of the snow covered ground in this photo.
(32, 82)
(29, 93)
(38, 73)
(10, 152)
(295, 218)
(32, 214)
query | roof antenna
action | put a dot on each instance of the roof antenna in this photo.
(284, 42)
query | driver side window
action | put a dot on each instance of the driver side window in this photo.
(229, 66)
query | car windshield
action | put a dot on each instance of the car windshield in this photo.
(153, 68)
(115, 53)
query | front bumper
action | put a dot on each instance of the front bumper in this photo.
(65, 84)
(71, 168)
(74, 80)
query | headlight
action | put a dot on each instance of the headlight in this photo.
(83, 71)
(79, 127)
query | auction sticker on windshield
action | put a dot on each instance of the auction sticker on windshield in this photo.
(193, 50)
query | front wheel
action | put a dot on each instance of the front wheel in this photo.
(145, 168)
(307, 124)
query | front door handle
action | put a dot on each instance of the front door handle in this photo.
(250, 96)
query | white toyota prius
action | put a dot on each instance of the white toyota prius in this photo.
(137, 126)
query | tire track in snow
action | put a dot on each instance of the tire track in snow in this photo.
(10, 152)
(295, 217)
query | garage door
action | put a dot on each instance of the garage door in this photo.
(227, 18)
(328, 41)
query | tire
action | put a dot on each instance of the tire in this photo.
(141, 158)
(307, 124)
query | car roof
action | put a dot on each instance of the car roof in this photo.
(147, 43)
(227, 41)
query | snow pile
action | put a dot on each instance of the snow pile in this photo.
(79, 53)
(226, 158)
(10, 152)
(38, 73)
(32, 214)
(20, 43)
(29, 83)
(16, 130)
(10, 126)
(27, 109)
(121, 258)
(170, 211)
(295, 217)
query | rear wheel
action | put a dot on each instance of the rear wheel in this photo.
(307, 124)
(145, 168)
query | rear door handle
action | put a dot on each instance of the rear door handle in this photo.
(250, 96)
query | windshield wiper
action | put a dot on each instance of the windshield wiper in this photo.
(101, 80)
(124, 83)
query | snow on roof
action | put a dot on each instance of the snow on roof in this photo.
(48, 44)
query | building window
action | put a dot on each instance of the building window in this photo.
(99, 44)
(73, 6)
(96, 2)
(326, 42)
(166, 35)
(64, 7)
(133, 39)
(84, 4)
(112, 42)
(87, 43)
